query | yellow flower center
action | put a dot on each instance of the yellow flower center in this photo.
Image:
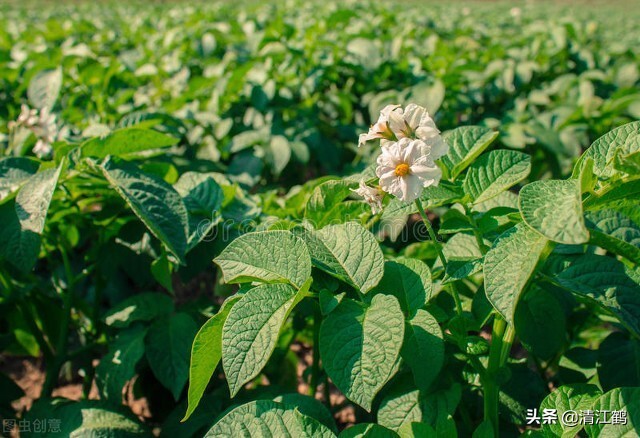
(402, 169)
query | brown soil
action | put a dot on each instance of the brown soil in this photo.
(29, 374)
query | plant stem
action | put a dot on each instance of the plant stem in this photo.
(35, 331)
(327, 393)
(315, 366)
(434, 237)
(476, 231)
(5, 283)
(432, 233)
(60, 356)
(507, 342)
(501, 340)
(456, 298)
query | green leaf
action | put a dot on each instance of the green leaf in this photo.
(118, 366)
(618, 399)
(540, 323)
(509, 265)
(423, 348)
(310, 407)
(270, 419)
(368, 430)
(484, 430)
(14, 172)
(576, 397)
(107, 424)
(409, 280)
(154, 201)
(417, 430)
(251, 330)
(432, 196)
(140, 307)
(279, 153)
(463, 255)
(623, 140)
(10, 390)
(495, 172)
(585, 175)
(622, 197)
(428, 94)
(522, 389)
(206, 353)
(203, 198)
(124, 142)
(267, 256)
(614, 232)
(162, 270)
(327, 204)
(348, 252)
(629, 163)
(398, 410)
(87, 418)
(168, 344)
(554, 209)
(438, 406)
(328, 301)
(18, 247)
(466, 143)
(619, 361)
(360, 346)
(609, 283)
(44, 88)
(32, 202)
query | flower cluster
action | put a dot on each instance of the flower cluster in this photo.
(42, 124)
(410, 143)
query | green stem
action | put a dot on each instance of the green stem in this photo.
(434, 236)
(490, 383)
(315, 366)
(456, 298)
(60, 356)
(45, 348)
(327, 394)
(432, 233)
(507, 342)
(476, 231)
(5, 283)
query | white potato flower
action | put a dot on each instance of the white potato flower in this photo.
(406, 167)
(42, 124)
(28, 117)
(42, 148)
(381, 129)
(371, 195)
(412, 122)
(45, 128)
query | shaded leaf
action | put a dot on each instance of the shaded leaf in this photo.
(268, 256)
(360, 345)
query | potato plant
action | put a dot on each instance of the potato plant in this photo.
(192, 213)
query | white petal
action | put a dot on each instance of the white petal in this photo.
(386, 161)
(439, 148)
(409, 152)
(396, 123)
(385, 143)
(402, 182)
(427, 132)
(386, 175)
(414, 188)
(427, 173)
(387, 110)
(413, 114)
(390, 184)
